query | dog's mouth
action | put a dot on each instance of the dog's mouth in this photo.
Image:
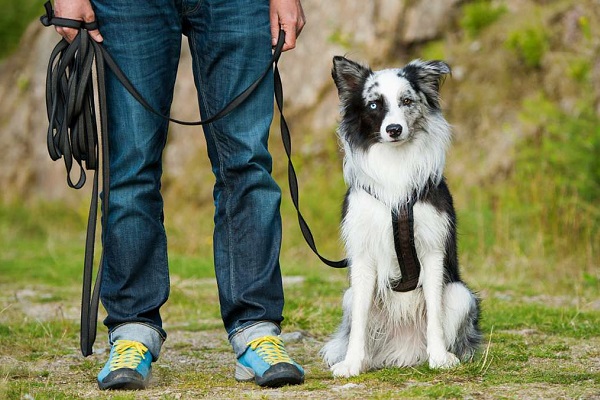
(398, 140)
(395, 140)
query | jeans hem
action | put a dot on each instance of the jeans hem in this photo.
(151, 337)
(240, 337)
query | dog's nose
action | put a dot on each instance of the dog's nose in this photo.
(394, 130)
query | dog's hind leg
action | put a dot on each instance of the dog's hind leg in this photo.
(461, 320)
(335, 349)
(363, 278)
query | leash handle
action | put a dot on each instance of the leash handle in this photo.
(50, 19)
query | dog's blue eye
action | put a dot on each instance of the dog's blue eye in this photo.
(373, 105)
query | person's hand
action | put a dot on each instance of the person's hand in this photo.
(79, 10)
(289, 16)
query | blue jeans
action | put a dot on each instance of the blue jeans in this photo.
(230, 44)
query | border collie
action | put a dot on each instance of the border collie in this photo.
(395, 140)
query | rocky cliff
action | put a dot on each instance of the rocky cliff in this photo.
(483, 99)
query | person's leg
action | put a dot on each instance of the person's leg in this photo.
(231, 45)
(144, 38)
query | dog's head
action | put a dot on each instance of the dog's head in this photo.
(387, 106)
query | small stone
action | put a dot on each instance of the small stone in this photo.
(292, 337)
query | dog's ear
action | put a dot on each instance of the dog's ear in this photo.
(348, 75)
(429, 76)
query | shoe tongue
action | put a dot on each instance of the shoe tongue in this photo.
(124, 345)
(265, 340)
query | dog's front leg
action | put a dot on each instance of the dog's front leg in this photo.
(433, 288)
(362, 280)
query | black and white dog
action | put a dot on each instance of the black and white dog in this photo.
(395, 140)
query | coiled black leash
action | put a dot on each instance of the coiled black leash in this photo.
(73, 135)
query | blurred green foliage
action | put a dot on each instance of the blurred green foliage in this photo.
(566, 149)
(434, 50)
(530, 44)
(14, 19)
(480, 14)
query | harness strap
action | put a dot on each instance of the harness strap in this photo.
(73, 135)
(404, 243)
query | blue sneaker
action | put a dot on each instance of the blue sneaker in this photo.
(128, 367)
(266, 362)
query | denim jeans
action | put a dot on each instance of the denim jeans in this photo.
(230, 44)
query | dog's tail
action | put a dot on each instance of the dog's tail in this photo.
(336, 348)
(469, 337)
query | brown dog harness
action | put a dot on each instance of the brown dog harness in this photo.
(403, 223)
(406, 253)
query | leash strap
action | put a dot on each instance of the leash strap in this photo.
(73, 135)
(404, 242)
(100, 52)
(293, 180)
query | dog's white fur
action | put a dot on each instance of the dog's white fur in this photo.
(388, 328)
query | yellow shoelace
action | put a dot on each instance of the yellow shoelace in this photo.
(127, 354)
(270, 349)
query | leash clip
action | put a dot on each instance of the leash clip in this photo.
(50, 19)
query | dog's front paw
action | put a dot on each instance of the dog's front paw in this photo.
(346, 369)
(443, 360)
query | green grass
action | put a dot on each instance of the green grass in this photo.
(537, 343)
(52, 252)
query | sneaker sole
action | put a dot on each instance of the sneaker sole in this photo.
(278, 375)
(280, 381)
(124, 379)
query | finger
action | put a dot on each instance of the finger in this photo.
(275, 28)
(95, 34)
(67, 33)
(290, 37)
(292, 31)
(301, 25)
(70, 33)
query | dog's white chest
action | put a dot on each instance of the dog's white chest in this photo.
(367, 227)
(368, 232)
